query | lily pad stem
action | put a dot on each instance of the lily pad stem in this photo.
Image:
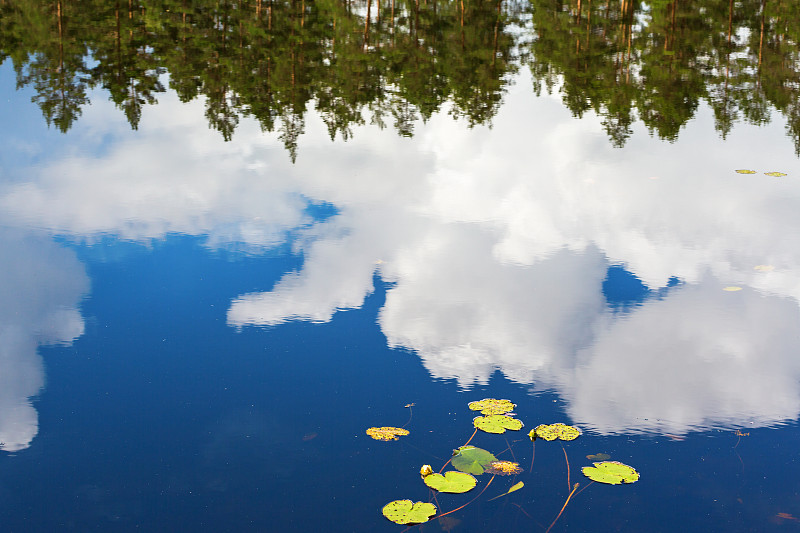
(562, 509)
(469, 502)
(470, 440)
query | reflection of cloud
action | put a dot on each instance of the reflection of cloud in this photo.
(467, 315)
(40, 287)
(700, 357)
(495, 243)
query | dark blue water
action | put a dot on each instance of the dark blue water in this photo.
(195, 334)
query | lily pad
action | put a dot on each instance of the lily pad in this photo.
(745, 171)
(503, 468)
(408, 512)
(611, 472)
(386, 433)
(452, 481)
(555, 431)
(471, 459)
(775, 174)
(598, 456)
(490, 406)
(497, 423)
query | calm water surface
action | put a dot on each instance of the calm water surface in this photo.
(217, 270)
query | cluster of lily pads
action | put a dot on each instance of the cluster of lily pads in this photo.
(773, 174)
(469, 461)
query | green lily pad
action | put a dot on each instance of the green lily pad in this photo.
(452, 481)
(555, 431)
(408, 512)
(611, 472)
(490, 406)
(497, 423)
(471, 459)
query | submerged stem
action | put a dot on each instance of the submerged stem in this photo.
(562, 509)
(469, 502)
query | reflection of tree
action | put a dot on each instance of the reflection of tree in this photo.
(662, 58)
(48, 56)
(265, 58)
(398, 61)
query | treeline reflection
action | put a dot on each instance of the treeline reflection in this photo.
(399, 61)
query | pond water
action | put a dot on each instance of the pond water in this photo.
(235, 235)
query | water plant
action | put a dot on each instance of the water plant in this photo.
(386, 433)
(407, 512)
(470, 461)
(611, 472)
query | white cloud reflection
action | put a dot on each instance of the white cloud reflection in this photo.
(40, 288)
(496, 244)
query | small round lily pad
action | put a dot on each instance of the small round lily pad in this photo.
(386, 433)
(471, 459)
(497, 423)
(408, 512)
(611, 472)
(452, 481)
(490, 406)
(555, 431)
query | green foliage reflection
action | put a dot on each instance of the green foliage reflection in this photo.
(395, 62)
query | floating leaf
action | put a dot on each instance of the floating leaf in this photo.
(490, 406)
(516, 486)
(732, 288)
(426, 470)
(503, 468)
(555, 431)
(497, 423)
(611, 472)
(408, 512)
(775, 174)
(452, 481)
(598, 457)
(744, 171)
(471, 459)
(386, 433)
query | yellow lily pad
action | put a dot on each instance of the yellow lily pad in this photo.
(611, 472)
(503, 468)
(490, 406)
(775, 174)
(452, 481)
(555, 431)
(408, 512)
(497, 423)
(386, 433)
(745, 171)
